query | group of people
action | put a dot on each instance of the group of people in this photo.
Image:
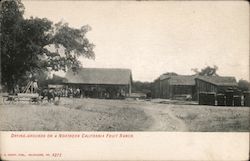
(52, 93)
(71, 92)
(31, 88)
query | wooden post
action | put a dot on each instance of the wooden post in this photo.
(129, 86)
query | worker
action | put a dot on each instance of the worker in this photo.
(35, 86)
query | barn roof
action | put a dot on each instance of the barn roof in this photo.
(218, 80)
(179, 79)
(99, 76)
(182, 80)
(163, 76)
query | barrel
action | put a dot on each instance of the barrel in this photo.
(220, 99)
(237, 100)
(229, 97)
(247, 98)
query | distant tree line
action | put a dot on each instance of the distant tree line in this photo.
(144, 87)
(244, 85)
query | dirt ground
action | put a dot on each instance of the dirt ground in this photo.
(122, 115)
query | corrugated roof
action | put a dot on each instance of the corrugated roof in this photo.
(99, 76)
(219, 81)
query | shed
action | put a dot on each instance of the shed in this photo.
(216, 84)
(99, 82)
(174, 87)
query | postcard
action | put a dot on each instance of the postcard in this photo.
(124, 80)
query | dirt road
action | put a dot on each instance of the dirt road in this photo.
(163, 118)
(121, 115)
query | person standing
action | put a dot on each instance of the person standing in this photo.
(35, 86)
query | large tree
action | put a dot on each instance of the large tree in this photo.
(35, 44)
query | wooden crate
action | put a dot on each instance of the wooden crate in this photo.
(28, 95)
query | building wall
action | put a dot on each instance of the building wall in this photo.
(160, 89)
(101, 90)
(163, 89)
(202, 86)
(182, 89)
(156, 89)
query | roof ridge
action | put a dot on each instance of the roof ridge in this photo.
(219, 80)
(100, 76)
(105, 68)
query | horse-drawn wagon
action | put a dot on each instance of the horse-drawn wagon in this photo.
(29, 94)
(24, 97)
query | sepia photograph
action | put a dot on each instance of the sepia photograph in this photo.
(111, 66)
(124, 80)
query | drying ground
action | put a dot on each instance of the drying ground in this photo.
(122, 115)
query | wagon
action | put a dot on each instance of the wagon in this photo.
(29, 97)
(7, 99)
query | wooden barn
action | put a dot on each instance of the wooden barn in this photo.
(216, 88)
(174, 87)
(100, 82)
(216, 84)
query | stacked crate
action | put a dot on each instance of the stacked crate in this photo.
(210, 99)
(229, 97)
(220, 99)
(246, 99)
(207, 99)
(237, 100)
(202, 98)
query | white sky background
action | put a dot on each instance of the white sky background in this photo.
(155, 37)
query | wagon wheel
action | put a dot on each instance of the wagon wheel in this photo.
(8, 100)
(38, 100)
(15, 100)
(34, 100)
(30, 100)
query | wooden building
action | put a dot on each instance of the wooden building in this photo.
(215, 84)
(174, 87)
(100, 82)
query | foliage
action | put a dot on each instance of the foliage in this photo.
(170, 74)
(207, 71)
(54, 80)
(26, 44)
(244, 85)
(144, 87)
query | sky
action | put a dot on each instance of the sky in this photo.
(155, 37)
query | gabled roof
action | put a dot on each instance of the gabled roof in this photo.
(182, 80)
(218, 80)
(163, 76)
(179, 79)
(99, 76)
(167, 75)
